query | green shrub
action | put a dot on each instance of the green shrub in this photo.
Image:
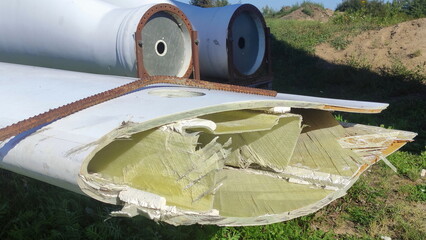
(286, 10)
(379, 8)
(415, 8)
(397, 69)
(268, 11)
(309, 4)
(340, 42)
(374, 7)
(202, 3)
(308, 11)
(221, 3)
(209, 3)
(349, 5)
(306, 6)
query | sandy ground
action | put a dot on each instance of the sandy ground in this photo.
(404, 43)
(318, 14)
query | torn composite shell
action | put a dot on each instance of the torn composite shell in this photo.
(189, 155)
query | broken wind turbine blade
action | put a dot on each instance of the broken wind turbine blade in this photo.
(97, 37)
(187, 155)
(232, 39)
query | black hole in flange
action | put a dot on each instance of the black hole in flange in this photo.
(241, 43)
(161, 47)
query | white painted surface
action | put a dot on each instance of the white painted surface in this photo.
(54, 153)
(334, 102)
(81, 35)
(212, 25)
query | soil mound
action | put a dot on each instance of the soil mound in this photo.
(404, 43)
(313, 13)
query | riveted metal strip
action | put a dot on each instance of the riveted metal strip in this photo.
(68, 109)
(177, 13)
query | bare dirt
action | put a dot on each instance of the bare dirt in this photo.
(404, 43)
(317, 14)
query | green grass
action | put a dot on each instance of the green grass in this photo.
(296, 229)
(416, 193)
(381, 203)
(409, 165)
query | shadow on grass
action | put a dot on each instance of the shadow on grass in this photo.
(34, 210)
(30, 209)
(298, 72)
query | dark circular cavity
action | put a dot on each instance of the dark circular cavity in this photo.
(161, 48)
(241, 43)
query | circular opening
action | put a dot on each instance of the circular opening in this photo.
(161, 48)
(241, 43)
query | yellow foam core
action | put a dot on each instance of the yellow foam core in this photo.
(201, 169)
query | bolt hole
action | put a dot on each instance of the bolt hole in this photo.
(241, 43)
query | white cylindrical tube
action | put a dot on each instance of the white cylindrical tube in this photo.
(97, 37)
(232, 39)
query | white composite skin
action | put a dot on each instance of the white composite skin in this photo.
(55, 153)
(27, 91)
(90, 36)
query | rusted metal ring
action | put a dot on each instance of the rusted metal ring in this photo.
(177, 14)
(70, 108)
